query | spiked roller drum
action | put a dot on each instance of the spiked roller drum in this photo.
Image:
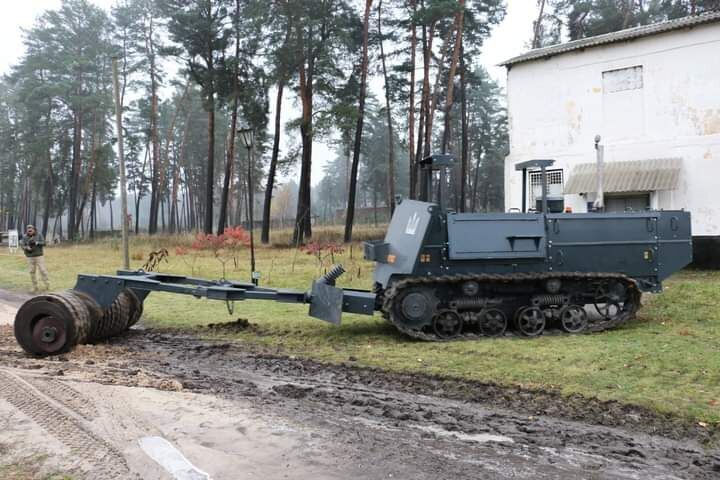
(55, 323)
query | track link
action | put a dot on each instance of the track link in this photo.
(627, 312)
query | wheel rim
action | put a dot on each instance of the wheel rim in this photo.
(493, 322)
(573, 319)
(447, 324)
(530, 321)
(49, 334)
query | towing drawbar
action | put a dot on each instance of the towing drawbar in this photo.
(101, 306)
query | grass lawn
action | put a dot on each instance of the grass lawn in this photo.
(29, 469)
(668, 359)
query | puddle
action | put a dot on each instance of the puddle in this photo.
(468, 437)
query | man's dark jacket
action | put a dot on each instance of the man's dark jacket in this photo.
(35, 244)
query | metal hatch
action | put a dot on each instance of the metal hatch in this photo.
(473, 236)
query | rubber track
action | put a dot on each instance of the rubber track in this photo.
(106, 460)
(633, 301)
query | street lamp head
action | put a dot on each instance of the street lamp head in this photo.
(248, 137)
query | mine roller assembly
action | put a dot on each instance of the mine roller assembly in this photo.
(102, 306)
(57, 322)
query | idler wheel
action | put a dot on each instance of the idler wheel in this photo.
(447, 324)
(530, 321)
(573, 318)
(52, 324)
(493, 322)
(609, 299)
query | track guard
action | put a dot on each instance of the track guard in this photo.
(326, 302)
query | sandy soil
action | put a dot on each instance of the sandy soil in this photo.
(8, 306)
(236, 413)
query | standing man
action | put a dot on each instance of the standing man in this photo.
(32, 244)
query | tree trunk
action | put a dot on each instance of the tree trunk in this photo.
(137, 212)
(48, 196)
(302, 218)
(538, 25)
(449, 98)
(210, 179)
(180, 161)
(112, 222)
(350, 214)
(93, 209)
(267, 206)
(233, 127)
(436, 90)
(229, 161)
(464, 133)
(411, 112)
(156, 170)
(388, 111)
(74, 179)
(473, 200)
(428, 35)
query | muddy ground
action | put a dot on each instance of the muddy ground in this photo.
(238, 412)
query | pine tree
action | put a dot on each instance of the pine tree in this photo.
(201, 28)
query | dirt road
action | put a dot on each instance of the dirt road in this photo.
(235, 413)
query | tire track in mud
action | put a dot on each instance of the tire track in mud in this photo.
(102, 459)
(343, 393)
(399, 421)
(63, 393)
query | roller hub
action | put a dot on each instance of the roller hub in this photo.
(573, 318)
(447, 324)
(49, 334)
(530, 321)
(493, 322)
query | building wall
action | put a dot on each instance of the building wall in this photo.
(557, 105)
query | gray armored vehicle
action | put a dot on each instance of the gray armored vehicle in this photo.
(442, 274)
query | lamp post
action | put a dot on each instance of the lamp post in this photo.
(248, 138)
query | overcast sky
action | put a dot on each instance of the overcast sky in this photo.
(507, 40)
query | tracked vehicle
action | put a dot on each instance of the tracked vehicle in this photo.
(444, 275)
(440, 275)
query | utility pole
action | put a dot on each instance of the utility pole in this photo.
(121, 158)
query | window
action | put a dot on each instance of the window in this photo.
(623, 104)
(554, 183)
(623, 79)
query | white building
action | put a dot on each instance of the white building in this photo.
(652, 93)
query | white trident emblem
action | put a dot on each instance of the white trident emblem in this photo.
(412, 224)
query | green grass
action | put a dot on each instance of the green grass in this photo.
(29, 469)
(668, 359)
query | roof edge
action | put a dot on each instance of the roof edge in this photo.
(614, 37)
